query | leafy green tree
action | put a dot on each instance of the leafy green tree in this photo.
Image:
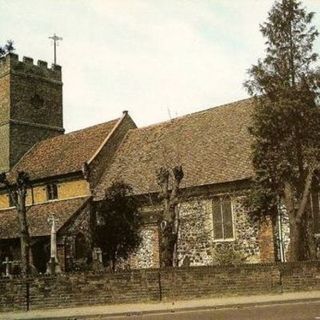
(286, 122)
(118, 224)
(7, 48)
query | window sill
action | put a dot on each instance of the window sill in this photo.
(224, 240)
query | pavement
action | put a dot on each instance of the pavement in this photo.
(105, 311)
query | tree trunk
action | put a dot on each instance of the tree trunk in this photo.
(169, 226)
(168, 242)
(168, 237)
(176, 226)
(309, 230)
(296, 242)
(24, 233)
(295, 234)
(302, 242)
(166, 252)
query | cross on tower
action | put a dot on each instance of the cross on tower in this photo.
(55, 39)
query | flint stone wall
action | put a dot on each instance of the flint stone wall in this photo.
(147, 255)
(196, 239)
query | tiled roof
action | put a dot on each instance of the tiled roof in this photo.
(37, 216)
(65, 153)
(213, 146)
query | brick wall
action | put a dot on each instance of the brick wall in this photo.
(154, 284)
(299, 277)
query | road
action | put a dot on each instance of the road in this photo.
(292, 311)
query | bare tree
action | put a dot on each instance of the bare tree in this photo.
(18, 192)
(169, 181)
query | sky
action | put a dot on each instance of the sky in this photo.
(158, 59)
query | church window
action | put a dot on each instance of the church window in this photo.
(223, 228)
(52, 191)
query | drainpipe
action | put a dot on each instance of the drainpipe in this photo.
(280, 235)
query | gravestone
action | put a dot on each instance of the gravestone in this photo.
(97, 264)
(53, 266)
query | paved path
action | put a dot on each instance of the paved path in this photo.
(102, 311)
(287, 311)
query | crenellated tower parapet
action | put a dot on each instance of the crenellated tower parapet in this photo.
(30, 106)
(11, 63)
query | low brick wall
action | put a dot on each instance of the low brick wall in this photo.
(300, 276)
(217, 281)
(76, 289)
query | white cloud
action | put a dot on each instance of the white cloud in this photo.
(144, 56)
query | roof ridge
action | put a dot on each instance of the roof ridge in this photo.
(225, 105)
(125, 138)
(58, 137)
(90, 127)
(115, 127)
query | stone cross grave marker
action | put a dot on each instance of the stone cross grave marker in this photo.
(7, 263)
(53, 264)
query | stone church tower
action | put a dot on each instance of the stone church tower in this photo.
(30, 106)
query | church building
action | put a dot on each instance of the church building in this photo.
(64, 168)
(70, 172)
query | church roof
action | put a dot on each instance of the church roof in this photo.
(213, 146)
(64, 153)
(37, 216)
